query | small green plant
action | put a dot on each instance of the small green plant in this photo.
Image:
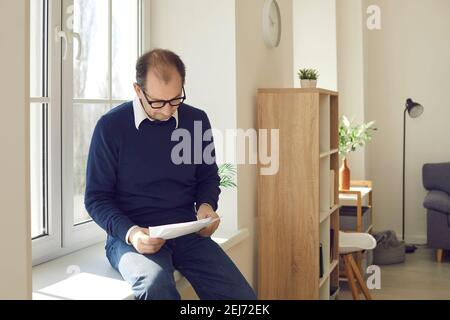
(226, 173)
(308, 74)
(352, 136)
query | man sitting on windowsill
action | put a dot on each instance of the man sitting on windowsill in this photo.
(132, 183)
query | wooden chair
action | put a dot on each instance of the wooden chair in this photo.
(350, 243)
(358, 196)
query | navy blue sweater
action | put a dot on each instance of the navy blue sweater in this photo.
(131, 179)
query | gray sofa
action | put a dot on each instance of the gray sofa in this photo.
(436, 179)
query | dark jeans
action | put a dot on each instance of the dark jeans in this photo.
(200, 260)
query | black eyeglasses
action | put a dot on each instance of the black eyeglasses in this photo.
(159, 104)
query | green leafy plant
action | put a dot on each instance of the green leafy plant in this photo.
(352, 136)
(308, 74)
(226, 173)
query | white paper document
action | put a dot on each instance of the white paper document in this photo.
(170, 231)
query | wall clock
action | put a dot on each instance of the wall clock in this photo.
(271, 23)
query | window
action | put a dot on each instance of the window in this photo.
(83, 54)
(39, 117)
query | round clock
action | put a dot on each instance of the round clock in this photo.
(271, 23)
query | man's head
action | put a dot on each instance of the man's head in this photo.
(160, 75)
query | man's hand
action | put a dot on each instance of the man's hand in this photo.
(206, 211)
(141, 241)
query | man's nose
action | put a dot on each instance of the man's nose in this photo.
(167, 111)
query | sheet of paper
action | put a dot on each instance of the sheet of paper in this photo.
(170, 231)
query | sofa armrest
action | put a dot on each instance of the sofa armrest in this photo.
(438, 201)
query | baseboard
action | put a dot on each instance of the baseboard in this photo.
(415, 239)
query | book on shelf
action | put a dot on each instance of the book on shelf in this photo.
(321, 261)
(331, 244)
(332, 184)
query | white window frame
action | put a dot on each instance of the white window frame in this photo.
(63, 236)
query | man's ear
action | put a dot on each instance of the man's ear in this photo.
(137, 89)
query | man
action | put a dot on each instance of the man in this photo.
(132, 183)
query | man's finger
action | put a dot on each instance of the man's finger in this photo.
(150, 240)
(157, 241)
(150, 251)
(207, 231)
(145, 240)
(154, 241)
(203, 233)
(150, 248)
(146, 245)
(213, 226)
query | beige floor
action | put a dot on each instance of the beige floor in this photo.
(420, 277)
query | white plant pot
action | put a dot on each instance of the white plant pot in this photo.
(308, 83)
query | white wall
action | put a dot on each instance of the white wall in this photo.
(257, 67)
(15, 243)
(350, 48)
(314, 23)
(202, 32)
(409, 57)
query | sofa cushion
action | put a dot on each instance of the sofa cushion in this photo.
(438, 201)
(436, 176)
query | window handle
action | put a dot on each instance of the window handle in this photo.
(60, 34)
(76, 35)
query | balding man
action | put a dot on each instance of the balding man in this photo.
(132, 183)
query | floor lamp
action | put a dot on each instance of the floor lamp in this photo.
(414, 110)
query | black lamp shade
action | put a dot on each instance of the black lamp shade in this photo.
(415, 109)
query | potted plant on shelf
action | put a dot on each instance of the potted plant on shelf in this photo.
(351, 137)
(308, 78)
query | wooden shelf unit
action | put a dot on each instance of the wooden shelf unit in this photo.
(295, 207)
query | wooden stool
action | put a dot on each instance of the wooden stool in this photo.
(350, 243)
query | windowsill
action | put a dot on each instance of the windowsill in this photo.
(74, 277)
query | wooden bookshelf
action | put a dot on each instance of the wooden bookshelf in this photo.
(299, 205)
